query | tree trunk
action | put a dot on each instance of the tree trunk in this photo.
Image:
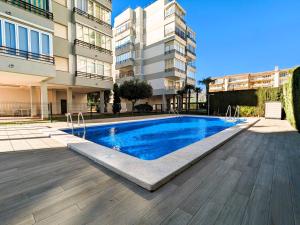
(189, 100)
(197, 100)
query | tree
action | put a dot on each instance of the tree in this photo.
(116, 107)
(197, 90)
(107, 94)
(206, 82)
(134, 90)
(188, 89)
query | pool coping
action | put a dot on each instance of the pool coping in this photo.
(149, 174)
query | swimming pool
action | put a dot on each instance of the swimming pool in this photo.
(152, 139)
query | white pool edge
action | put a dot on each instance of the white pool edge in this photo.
(153, 173)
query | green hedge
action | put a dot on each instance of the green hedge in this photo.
(249, 100)
(291, 92)
(248, 111)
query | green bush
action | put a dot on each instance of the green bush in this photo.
(144, 108)
(291, 92)
(267, 95)
(248, 111)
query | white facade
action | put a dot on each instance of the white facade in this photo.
(156, 45)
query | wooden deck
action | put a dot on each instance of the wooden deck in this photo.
(252, 179)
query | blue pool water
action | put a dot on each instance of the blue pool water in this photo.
(152, 139)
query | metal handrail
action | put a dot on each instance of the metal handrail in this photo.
(228, 112)
(69, 116)
(80, 115)
(237, 112)
(25, 54)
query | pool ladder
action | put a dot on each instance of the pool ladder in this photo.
(228, 115)
(174, 111)
(70, 120)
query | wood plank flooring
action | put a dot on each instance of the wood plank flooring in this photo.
(252, 179)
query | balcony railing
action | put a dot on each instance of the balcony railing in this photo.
(91, 46)
(124, 61)
(124, 46)
(30, 7)
(193, 53)
(92, 76)
(26, 55)
(125, 75)
(174, 51)
(174, 69)
(91, 17)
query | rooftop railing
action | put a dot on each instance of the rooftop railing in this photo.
(29, 7)
(91, 17)
(92, 46)
(26, 55)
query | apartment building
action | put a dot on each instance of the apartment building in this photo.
(53, 51)
(248, 81)
(155, 44)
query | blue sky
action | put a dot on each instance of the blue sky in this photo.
(236, 36)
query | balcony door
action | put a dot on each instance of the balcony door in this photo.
(10, 38)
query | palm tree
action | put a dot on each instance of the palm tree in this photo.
(197, 90)
(206, 83)
(188, 88)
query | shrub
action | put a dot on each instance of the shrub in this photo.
(292, 99)
(248, 111)
(116, 107)
(144, 108)
(267, 95)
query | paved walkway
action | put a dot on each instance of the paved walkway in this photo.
(252, 179)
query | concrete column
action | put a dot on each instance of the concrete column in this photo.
(164, 103)
(102, 105)
(33, 101)
(276, 77)
(226, 84)
(44, 101)
(70, 107)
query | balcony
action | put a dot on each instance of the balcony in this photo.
(173, 52)
(190, 55)
(125, 64)
(91, 17)
(31, 8)
(93, 80)
(92, 76)
(128, 47)
(175, 72)
(92, 46)
(26, 55)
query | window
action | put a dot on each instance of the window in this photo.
(123, 42)
(35, 46)
(169, 63)
(124, 57)
(86, 65)
(45, 44)
(94, 9)
(93, 37)
(169, 28)
(170, 11)
(23, 40)
(179, 64)
(10, 35)
(123, 27)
